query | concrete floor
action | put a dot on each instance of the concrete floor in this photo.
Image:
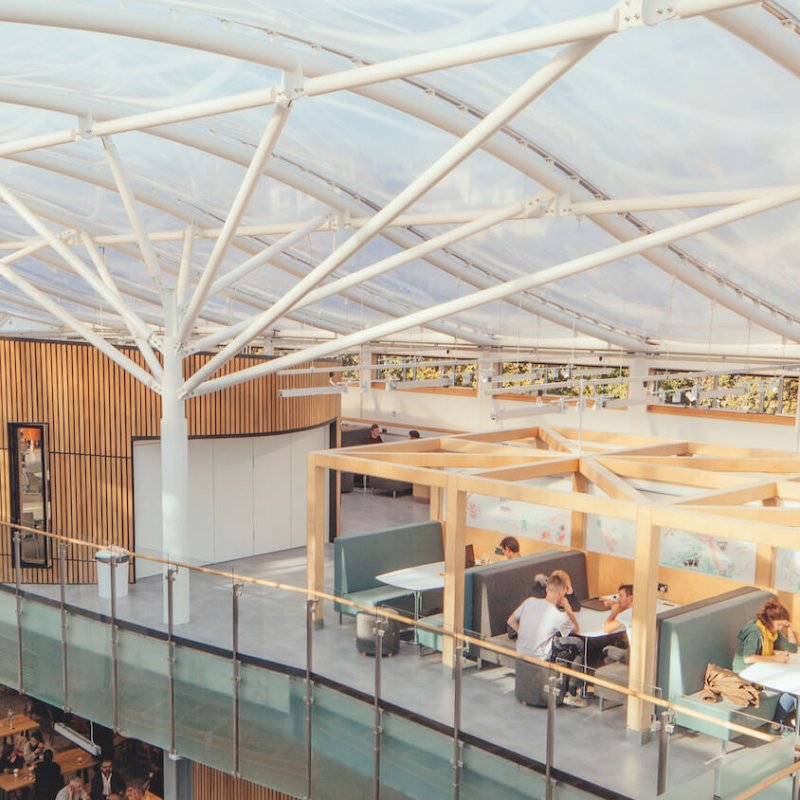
(589, 744)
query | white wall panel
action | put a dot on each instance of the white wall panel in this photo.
(247, 495)
(273, 479)
(147, 505)
(233, 498)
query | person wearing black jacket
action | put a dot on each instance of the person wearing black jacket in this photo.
(49, 780)
(105, 781)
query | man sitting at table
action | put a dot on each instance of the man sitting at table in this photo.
(508, 547)
(105, 781)
(73, 790)
(620, 619)
(768, 637)
(543, 632)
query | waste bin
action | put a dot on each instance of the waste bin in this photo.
(103, 558)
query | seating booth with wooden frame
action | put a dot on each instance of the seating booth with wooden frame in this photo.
(645, 491)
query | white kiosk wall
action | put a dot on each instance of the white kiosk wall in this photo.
(247, 495)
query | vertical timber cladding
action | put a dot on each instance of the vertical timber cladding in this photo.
(93, 410)
(211, 784)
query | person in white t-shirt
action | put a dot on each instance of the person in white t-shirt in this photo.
(544, 627)
(620, 618)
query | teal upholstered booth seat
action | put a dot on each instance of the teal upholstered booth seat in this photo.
(689, 638)
(359, 558)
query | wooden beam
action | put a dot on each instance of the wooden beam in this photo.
(588, 504)
(454, 565)
(765, 555)
(771, 515)
(610, 438)
(578, 518)
(789, 488)
(669, 516)
(555, 441)
(753, 492)
(664, 473)
(553, 466)
(745, 465)
(642, 674)
(369, 466)
(605, 479)
(453, 460)
(513, 435)
(728, 451)
(667, 449)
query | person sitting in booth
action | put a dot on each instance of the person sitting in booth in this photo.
(413, 434)
(48, 780)
(570, 597)
(768, 637)
(543, 631)
(620, 619)
(374, 435)
(508, 547)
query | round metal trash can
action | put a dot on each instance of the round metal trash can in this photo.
(365, 635)
(103, 559)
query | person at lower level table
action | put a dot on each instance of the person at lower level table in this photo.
(768, 637)
(544, 632)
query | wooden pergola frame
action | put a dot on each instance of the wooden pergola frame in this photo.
(717, 484)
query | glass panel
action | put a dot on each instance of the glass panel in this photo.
(41, 651)
(343, 739)
(89, 669)
(747, 766)
(486, 775)
(204, 708)
(701, 786)
(143, 688)
(272, 729)
(415, 760)
(9, 641)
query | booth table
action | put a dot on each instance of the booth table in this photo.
(780, 678)
(20, 724)
(418, 579)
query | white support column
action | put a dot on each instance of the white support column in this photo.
(637, 394)
(174, 467)
(487, 365)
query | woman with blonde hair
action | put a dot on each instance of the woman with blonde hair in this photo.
(768, 637)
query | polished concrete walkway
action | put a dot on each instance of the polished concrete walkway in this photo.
(589, 744)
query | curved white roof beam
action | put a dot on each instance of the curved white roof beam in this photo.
(764, 33)
(224, 42)
(572, 267)
(298, 180)
(244, 295)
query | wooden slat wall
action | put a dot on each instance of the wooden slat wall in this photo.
(211, 784)
(93, 410)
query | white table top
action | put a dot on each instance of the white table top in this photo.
(420, 578)
(780, 677)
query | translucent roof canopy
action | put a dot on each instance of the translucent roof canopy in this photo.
(212, 174)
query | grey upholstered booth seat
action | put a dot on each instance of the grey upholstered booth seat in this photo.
(358, 558)
(498, 590)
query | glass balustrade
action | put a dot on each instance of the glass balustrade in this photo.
(229, 690)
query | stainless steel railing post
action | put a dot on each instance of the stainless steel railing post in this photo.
(457, 761)
(18, 582)
(235, 678)
(62, 568)
(666, 726)
(377, 727)
(170, 578)
(552, 695)
(311, 607)
(114, 660)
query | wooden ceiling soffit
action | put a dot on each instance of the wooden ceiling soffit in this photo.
(554, 466)
(609, 482)
(572, 501)
(754, 492)
(665, 473)
(369, 466)
(724, 526)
